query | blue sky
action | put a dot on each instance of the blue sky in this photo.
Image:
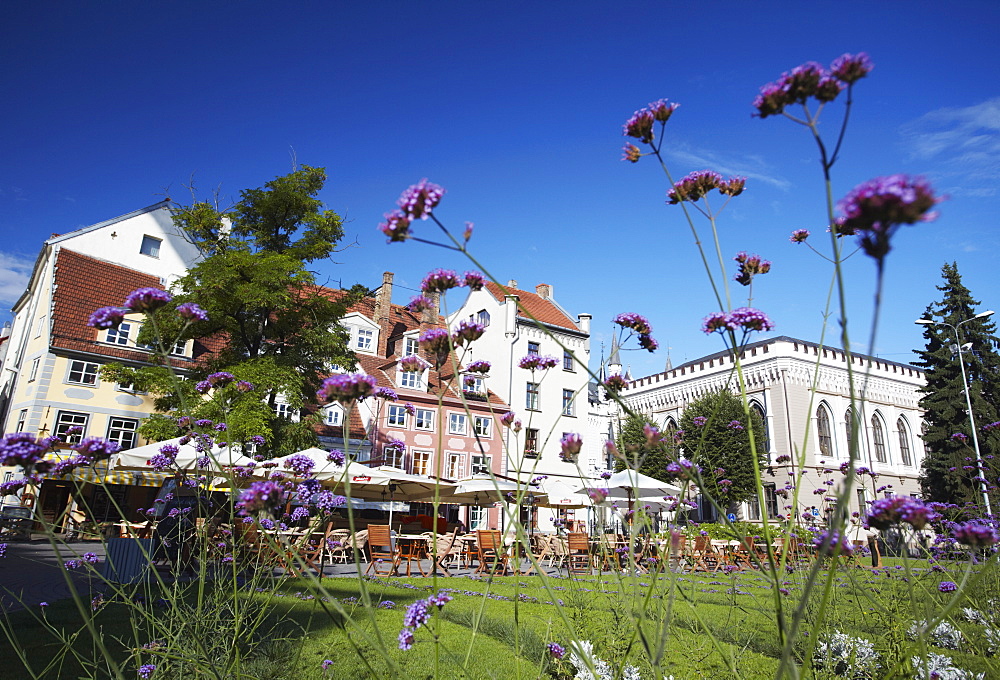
(516, 109)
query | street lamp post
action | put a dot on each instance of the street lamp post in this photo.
(968, 399)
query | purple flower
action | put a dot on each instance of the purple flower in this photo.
(534, 362)
(147, 299)
(336, 456)
(107, 317)
(410, 408)
(189, 311)
(571, 443)
(474, 280)
(735, 425)
(406, 639)
(699, 421)
(146, 671)
(878, 207)
(439, 599)
(508, 418)
(21, 448)
(396, 226)
(695, 186)
(615, 383)
(327, 501)
(947, 587)
(96, 448)
(326, 664)
(220, 379)
(829, 544)
(636, 322)
(419, 200)
(631, 153)
(640, 126)
(439, 281)
(435, 341)
(346, 387)
(750, 319)
(386, 393)
(300, 513)
(244, 386)
(420, 303)
(974, 534)
(468, 331)
(261, 496)
(556, 651)
(3, 550)
(850, 68)
(799, 236)
(479, 367)
(959, 437)
(750, 266)
(647, 342)
(300, 464)
(417, 614)
(597, 495)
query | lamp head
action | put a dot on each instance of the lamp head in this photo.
(924, 322)
(983, 315)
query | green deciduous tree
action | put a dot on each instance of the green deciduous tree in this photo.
(949, 471)
(716, 436)
(648, 456)
(269, 322)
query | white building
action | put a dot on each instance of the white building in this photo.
(549, 403)
(802, 391)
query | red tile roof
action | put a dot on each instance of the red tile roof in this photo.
(544, 310)
(84, 284)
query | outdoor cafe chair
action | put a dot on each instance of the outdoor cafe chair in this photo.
(380, 549)
(705, 557)
(578, 554)
(445, 548)
(491, 552)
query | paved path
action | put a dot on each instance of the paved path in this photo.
(31, 572)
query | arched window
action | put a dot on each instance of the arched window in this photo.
(848, 426)
(767, 432)
(878, 440)
(904, 442)
(923, 436)
(823, 431)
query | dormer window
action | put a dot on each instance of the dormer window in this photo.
(334, 416)
(119, 335)
(364, 339)
(483, 318)
(410, 347)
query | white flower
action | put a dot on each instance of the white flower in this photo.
(943, 635)
(939, 667)
(851, 657)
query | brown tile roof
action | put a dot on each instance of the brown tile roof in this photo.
(84, 284)
(544, 310)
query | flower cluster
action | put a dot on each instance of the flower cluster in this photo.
(418, 614)
(439, 281)
(699, 184)
(478, 367)
(261, 496)
(534, 362)
(876, 208)
(420, 303)
(943, 634)
(346, 387)
(831, 543)
(147, 299)
(615, 383)
(750, 266)
(885, 512)
(300, 464)
(746, 319)
(975, 534)
(467, 332)
(417, 202)
(570, 444)
(412, 364)
(810, 80)
(474, 280)
(640, 125)
(437, 342)
(107, 317)
(189, 311)
(799, 236)
(850, 657)
(21, 448)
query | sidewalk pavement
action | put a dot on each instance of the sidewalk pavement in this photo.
(30, 573)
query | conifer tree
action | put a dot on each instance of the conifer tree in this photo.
(949, 473)
(648, 455)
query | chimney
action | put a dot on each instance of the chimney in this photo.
(430, 316)
(383, 299)
(512, 284)
(544, 291)
(583, 322)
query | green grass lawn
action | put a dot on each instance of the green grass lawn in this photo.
(697, 625)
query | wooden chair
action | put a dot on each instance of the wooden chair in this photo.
(704, 556)
(380, 549)
(490, 552)
(445, 548)
(578, 554)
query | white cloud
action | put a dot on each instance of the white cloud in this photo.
(754, 168)
(963, 145)
(14, 273)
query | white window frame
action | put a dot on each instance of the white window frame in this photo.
(128, 388)
(119, 336)
(415, 377)
(395, 416)
(569, 403)
(394, 456)
(483, 318)
(478, 386)
(334, 416)
(153, 246)
(180, 348)
(68, 419)
(124, 431)
(534, 348)
(424, 420)
(482, 426)
(410, 347)
(481, 464)
(532, 397)
(456, 465)
(568, 361)
(364, 339)
(41, 326)
(479, 518)
(458, 423)
(86, 368)
(22, 420)
(35, 364)
(421, 461)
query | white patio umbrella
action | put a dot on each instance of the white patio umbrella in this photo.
(187, 457)
(561, 495)
(486, 490)
(632, 485)
(414, 488)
